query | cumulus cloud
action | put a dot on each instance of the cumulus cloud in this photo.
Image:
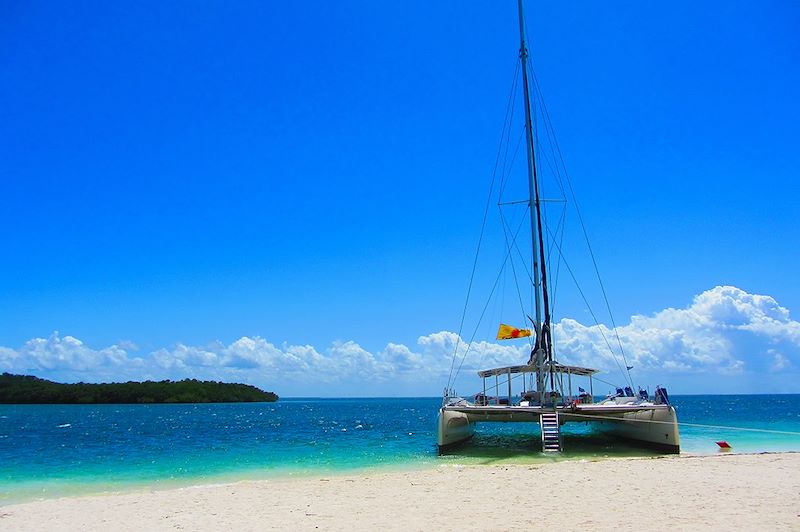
(725, 332)
(67, 355)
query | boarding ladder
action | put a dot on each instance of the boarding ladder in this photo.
(551, 432)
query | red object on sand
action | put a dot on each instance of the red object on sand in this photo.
(723, 445)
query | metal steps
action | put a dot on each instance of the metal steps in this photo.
(551, 432)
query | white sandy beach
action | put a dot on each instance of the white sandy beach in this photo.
(741, 492)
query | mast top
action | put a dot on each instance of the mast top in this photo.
(523, 49)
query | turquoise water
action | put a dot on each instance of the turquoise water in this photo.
(52, 450)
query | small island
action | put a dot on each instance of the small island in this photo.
(27, 389)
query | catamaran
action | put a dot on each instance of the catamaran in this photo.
(545, 394)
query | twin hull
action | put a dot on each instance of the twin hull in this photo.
(655, 426)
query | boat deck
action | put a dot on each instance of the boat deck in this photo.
(580, 412)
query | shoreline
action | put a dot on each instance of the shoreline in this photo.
(73, 488)
(38, 490)
(697, 491)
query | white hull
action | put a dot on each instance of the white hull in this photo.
(453, 427)
(652, 425)
(655, 427)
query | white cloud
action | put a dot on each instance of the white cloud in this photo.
(56, 355)
(725, 332)
(779, 362)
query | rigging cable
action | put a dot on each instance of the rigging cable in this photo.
(483, 312)
(483, 227)
(589, 307)
(549, 127)
(504, 179)
(507, 165)
(684, 424)
(513, 268)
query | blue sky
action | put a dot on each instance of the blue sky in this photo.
(313, 174)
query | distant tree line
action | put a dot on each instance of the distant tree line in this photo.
(27, 389)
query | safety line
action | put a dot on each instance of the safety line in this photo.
(684, 424)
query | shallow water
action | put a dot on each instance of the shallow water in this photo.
(52, 450)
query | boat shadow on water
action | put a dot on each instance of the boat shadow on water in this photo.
(522, 448)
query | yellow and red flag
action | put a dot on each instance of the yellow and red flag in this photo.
(507, 332)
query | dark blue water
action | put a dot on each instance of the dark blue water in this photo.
(50, 450)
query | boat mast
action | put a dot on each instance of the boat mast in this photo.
(542, 350)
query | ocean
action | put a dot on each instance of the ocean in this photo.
(57, 450)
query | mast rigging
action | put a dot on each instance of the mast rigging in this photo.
(543, 346)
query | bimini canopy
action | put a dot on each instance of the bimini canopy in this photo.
(530, 368)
